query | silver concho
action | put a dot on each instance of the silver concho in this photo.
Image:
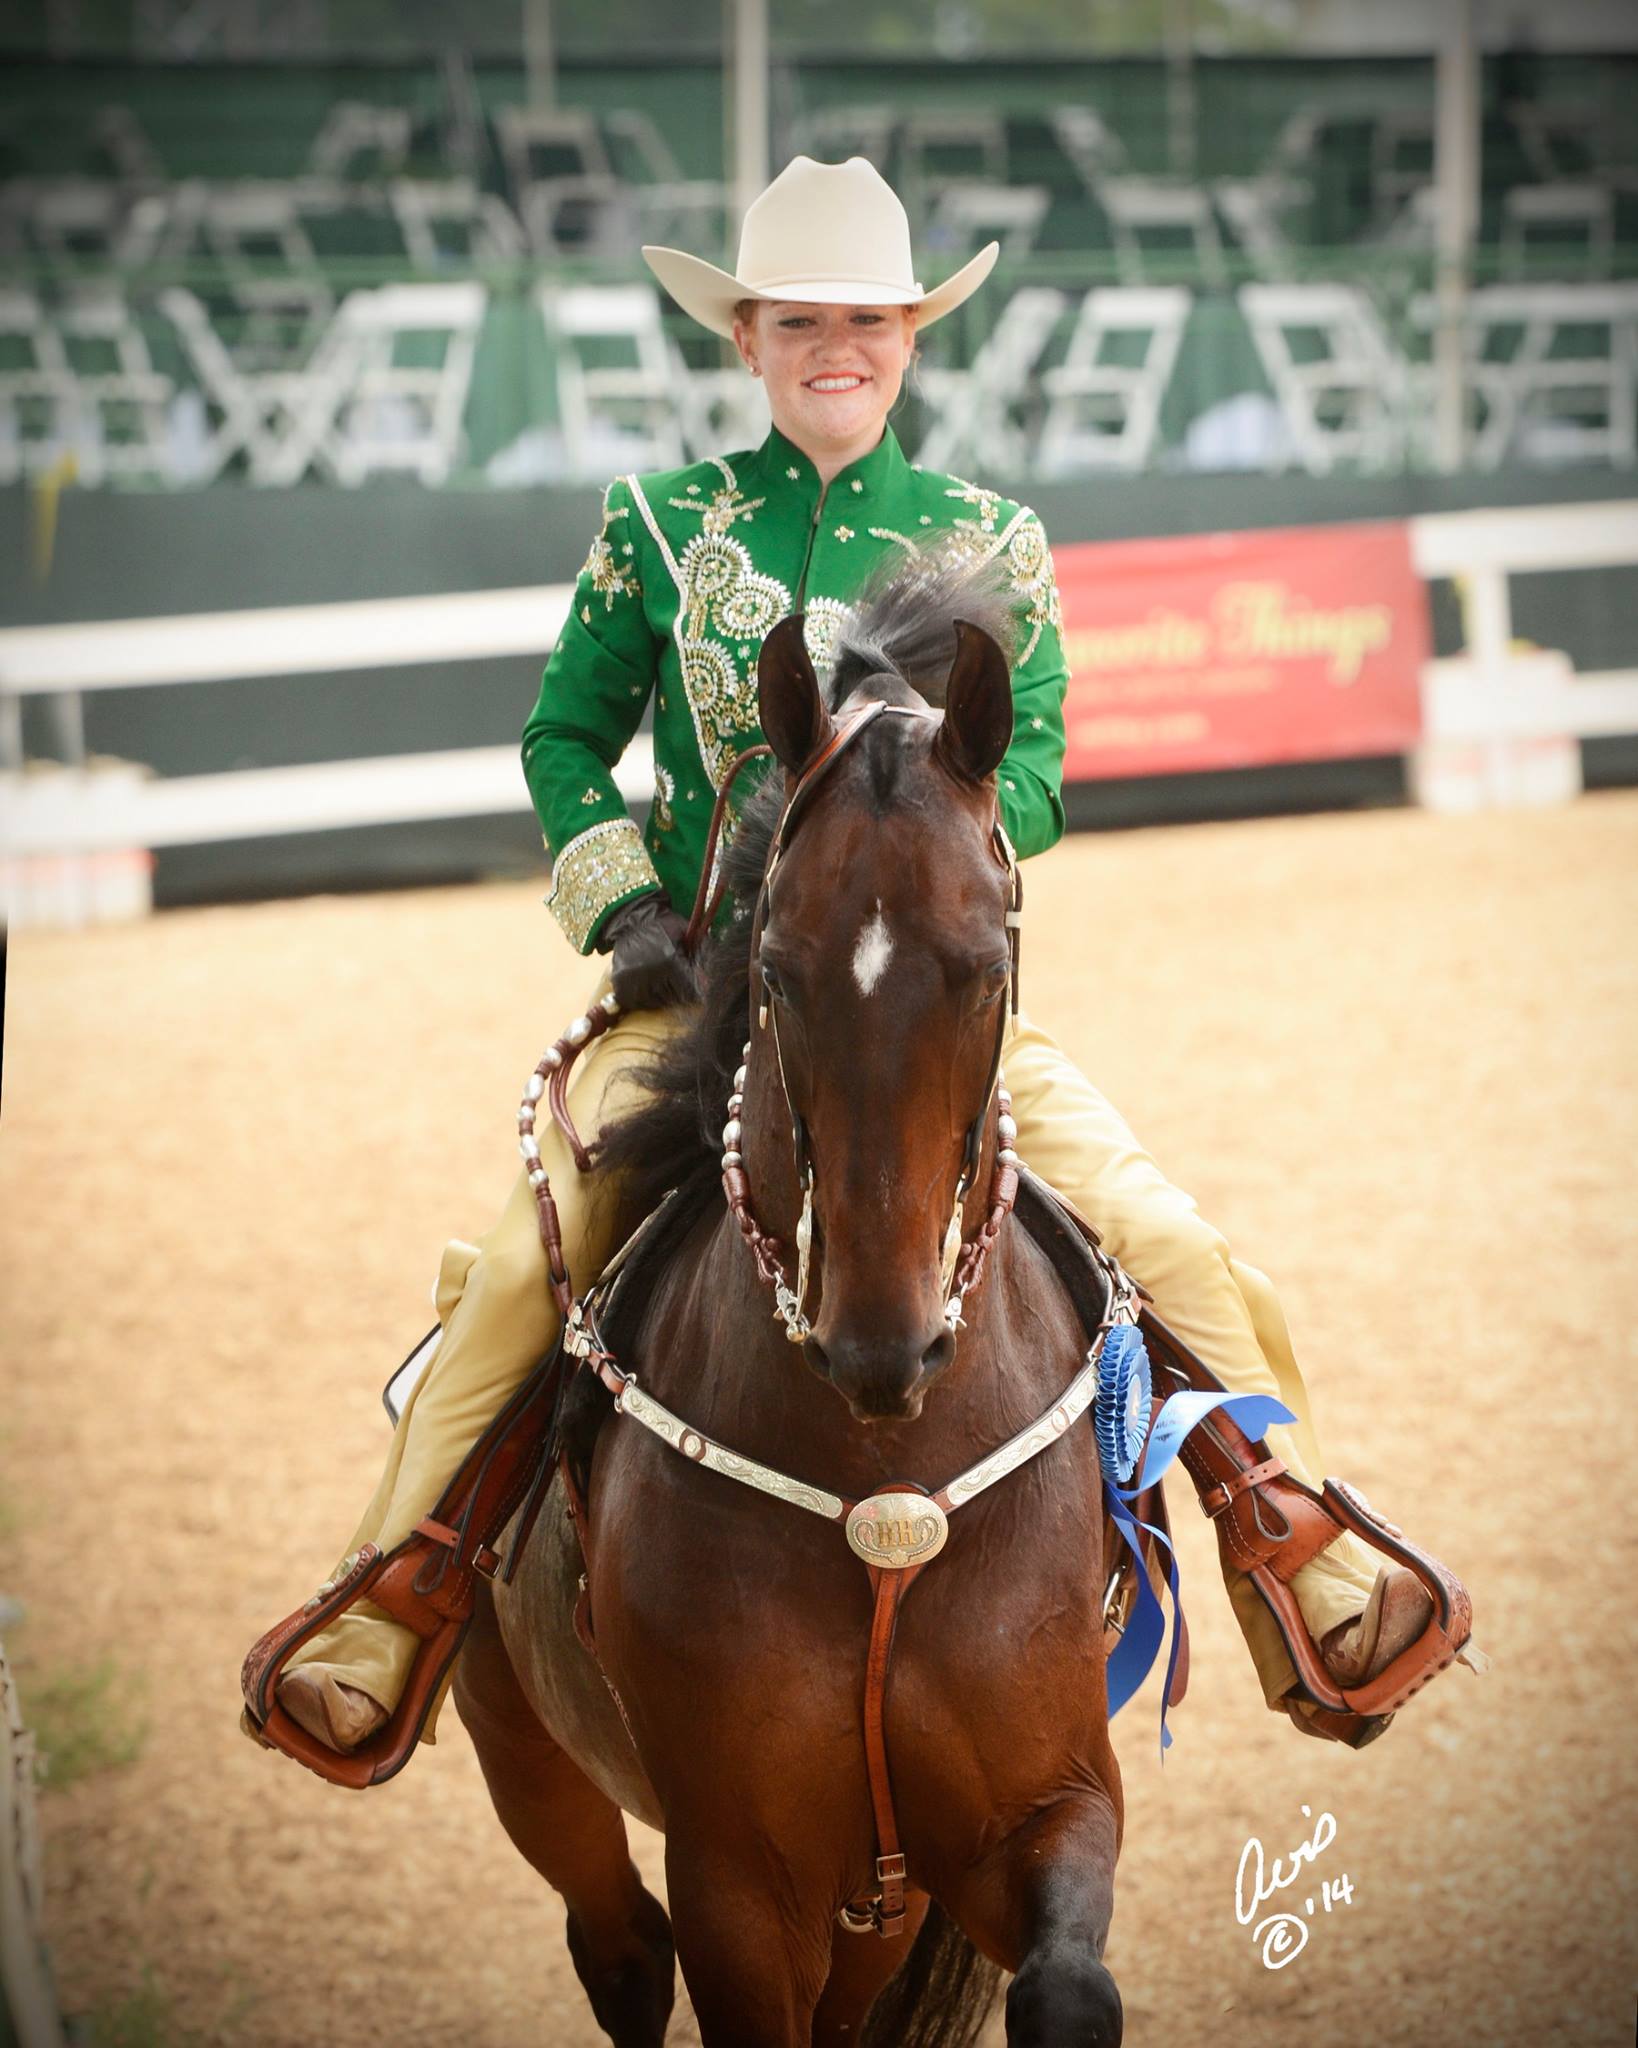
(894, 1530)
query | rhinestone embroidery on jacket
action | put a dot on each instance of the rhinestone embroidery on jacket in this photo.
(903, 540)
(720, 592)
(724, 598)
(1023, 541)
(988, 503)
(606, 574)
(597, 867)
(665, 794)
(1033, 578)
(822, 624)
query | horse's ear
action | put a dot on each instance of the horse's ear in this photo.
(977, 728)
(794, 719)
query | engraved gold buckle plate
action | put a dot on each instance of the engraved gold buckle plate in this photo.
(897, 1530)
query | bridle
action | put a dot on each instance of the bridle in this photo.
(962, 1260)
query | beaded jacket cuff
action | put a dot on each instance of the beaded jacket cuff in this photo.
(595, 873)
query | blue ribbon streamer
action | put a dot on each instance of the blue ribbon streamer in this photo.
(1133, 1656)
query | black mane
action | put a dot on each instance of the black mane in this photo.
(901, 642)
(675, 1139)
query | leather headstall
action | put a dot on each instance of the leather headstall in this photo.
(964, 1258)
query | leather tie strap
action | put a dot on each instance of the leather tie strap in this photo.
(1214, 1499)
(884, 1911)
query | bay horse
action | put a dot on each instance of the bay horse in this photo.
(724, 1701)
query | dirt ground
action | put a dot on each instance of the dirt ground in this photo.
(1392, 1055)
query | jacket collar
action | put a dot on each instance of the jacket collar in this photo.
(872, 476)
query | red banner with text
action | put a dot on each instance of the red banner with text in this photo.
(1229, 650)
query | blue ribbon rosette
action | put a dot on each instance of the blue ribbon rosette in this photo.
(1120, 1412)
(1121, 1421)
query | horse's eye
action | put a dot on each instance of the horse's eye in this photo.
(996, 978)
(772, 983)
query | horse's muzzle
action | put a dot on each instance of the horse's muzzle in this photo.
(881, 1380)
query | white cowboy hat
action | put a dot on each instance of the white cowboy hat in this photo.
(822, 234)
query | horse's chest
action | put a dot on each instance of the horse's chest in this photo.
(746, 1623)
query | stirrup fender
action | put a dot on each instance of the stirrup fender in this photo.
(427, 1583)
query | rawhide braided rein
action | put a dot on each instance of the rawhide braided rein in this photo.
(551, 1075)
(551, 1079)
(765, 1250)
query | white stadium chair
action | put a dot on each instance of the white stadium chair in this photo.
(1256, 209)
(1544, 397)
(614, 415)
(1573, 225)
(949, 146)
(1093, 147)
(122, 400)
(965, 216)
(974, 411)
(1158, 208)
(77, 223)
(552, 142)
(679, 212)
(1105, 415)
(39, 407)
(1345, 395)
(255, 230)
(363, 409)
(447, 223)
(563, 185)
(359, 140)
(78, 382)
(248, 410)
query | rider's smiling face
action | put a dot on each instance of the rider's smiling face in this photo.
(832, 372)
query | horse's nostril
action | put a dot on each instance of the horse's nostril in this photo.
(939, 1353)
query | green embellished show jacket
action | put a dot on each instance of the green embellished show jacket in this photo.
(691, 569)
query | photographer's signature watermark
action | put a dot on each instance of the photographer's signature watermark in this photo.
(1282, 1936)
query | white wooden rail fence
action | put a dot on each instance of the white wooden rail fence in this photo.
(1490, 692)
(1488, 697)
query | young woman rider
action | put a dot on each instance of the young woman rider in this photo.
(690, 569)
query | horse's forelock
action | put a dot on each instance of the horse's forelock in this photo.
(903, 627)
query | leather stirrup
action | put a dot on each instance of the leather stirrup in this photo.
(427, 1583)
(1269, 1524)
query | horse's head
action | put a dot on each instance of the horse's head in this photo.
(881, 976)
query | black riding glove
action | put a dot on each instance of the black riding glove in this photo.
(649, 967)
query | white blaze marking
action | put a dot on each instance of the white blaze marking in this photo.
(872, 953)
